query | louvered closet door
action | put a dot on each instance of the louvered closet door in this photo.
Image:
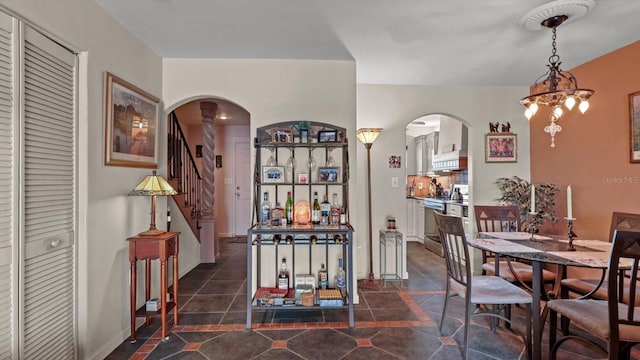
(7, 184)
(48, 160)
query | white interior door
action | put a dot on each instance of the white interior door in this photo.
(242, 202)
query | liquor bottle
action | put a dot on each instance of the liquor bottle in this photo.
(283, 276)
(340, 278)
(315, 214)
(266, 210)
(334, 218)
(325, 210)
(277, 215)
(323, 277)
(288, 208)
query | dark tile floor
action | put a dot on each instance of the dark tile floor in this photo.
(392, 323)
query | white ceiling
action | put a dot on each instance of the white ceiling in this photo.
(427, 42)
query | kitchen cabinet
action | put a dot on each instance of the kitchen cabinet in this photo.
(426, 146)
(460, 210)
(411, 220)
(420, 140)
(410, 161)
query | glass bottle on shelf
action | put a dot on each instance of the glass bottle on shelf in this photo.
(315, 214)
(325, 210)
(266, 210)
(283, 276)
(340, 278)
(288, 208)
(334, 211)
(323, 277)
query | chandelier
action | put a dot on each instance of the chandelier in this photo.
(556, 88)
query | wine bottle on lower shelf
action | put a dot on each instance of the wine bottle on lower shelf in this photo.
(340, 278)
(323, 277)
(283, 276)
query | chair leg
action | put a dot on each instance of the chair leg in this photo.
(467, 324)
(507, 314)
(553, 325)
(528, 334)
(446, 301)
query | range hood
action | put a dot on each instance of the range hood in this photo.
(450, 161)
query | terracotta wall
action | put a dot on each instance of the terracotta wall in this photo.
(592, 151)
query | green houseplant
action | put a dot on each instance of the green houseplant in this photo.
(517, 191)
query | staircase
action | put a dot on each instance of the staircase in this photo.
(183, 175)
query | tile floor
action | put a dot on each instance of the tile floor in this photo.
(392, 323)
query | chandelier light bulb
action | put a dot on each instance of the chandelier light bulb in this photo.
(584, 105)
(528, 114)
(570, 102)
(534, 108)
(557, 112)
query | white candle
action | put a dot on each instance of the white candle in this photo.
(569, 207)
(533, 199)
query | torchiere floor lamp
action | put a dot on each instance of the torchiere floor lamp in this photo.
(367, 137)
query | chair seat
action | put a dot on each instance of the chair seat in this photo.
(597, 321)
(493, 290)
(584, 286)
(524, 271)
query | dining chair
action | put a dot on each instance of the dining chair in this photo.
(597, 288)
(610, 320)
(477, 291)
(498, 218)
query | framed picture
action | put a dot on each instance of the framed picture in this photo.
(501, 147)
(394, 162)
(328, 174)
(304, 136)
(303, 178)
(131, 125)
(198, 151)
(218, 161)
(281, 135)
(327, 136)
(634, 127)
(272, 174)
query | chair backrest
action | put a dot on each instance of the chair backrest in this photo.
(455, 248)
(623, 221)
(497, 218)
(626, 245)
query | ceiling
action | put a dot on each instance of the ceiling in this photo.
(421, 42)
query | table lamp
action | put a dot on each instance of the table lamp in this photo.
(153, 185)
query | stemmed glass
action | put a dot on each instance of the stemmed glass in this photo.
(291, 164)
(271, 161)
(330, 161)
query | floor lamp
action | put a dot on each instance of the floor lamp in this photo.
(367, 137)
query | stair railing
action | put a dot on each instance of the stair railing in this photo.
(182, 167)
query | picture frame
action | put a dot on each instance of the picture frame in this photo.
(198, 151)
(326, 136)
(501, 147)
(218, 161)
(634, 127)
(394, 162)
(282, 135)
(304, 136)
(131, 125)
(328, 174)
(273, 174)
(303, 178)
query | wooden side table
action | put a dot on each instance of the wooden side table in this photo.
(147, 248)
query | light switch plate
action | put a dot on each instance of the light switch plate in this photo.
(394, 182)
(228, 181)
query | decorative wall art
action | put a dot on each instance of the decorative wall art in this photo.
(272, 174)
(634, 126)
(394, 162)
(501, 147)
(131, 125)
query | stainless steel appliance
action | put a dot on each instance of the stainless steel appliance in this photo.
(431, 236)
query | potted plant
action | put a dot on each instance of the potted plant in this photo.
(517, 191)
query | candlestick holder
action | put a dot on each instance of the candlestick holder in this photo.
(571, 234)
(532, 224)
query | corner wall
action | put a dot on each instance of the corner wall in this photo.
(592, 151)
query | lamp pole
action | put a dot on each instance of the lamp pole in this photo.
(368, 136)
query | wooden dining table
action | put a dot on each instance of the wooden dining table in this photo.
(541, 250)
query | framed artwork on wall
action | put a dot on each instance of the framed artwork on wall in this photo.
(634, 126)
(500, 147)
(131, 125)
(272, 174)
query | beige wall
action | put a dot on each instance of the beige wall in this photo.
(592, 151)
(392, 107)
(106, 216)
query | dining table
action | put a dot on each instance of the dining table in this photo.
(541, 250)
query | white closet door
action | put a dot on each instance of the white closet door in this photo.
(48, 206)
(8, 287)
